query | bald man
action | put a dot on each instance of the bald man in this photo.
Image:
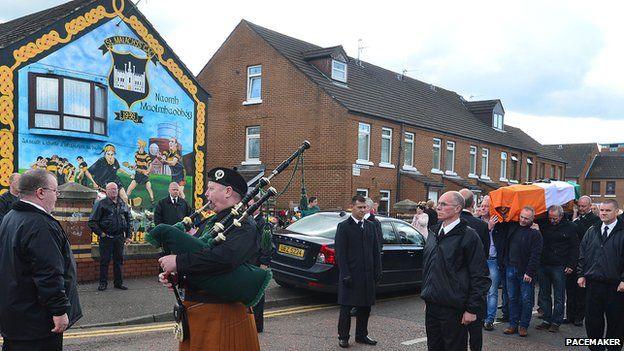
(10, 197)
(173, 208)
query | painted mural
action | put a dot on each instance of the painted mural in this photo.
(104, 109)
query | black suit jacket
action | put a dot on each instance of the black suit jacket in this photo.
(169, 213)
(481, 228)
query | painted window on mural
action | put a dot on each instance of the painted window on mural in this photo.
(64, 103)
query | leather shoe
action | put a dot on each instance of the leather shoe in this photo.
(343, 343)
(366, 340)
(121, 287)
(102, 287)
(510, 330)
(523, 332)
(353, 312)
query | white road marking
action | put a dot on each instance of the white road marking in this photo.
(414, 341)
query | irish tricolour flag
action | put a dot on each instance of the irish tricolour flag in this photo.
(508, 201)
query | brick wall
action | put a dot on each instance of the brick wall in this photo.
(89, 269)
(619, 190)
(294, 108)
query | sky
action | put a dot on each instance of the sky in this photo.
(556, 65)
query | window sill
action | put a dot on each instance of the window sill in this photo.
(252, 102)
(409, 168)
(251, 162)
(610, 196)
(485, 177)
(386, 165)
(513, 181)
(503, 179)
(364, 162)
(67, 133)
(436, 171)
(474, 176)
(595, 195)
(451, 173)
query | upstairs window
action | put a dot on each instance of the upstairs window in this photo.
(386, 145)
(503, 171)
(409, 150)
(363, 141)
(497, 121)
(254, 84)
(473, 161)
(450, 157)
(514, 168)
(252, 149)
(339, 71)
(485, 156)
(436, 153)
(62, 103)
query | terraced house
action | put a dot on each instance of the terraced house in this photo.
(372, 131)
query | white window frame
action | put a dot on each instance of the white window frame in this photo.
(552, 171)
(250, 77)
(607, 188)
(485, 155)
(450, 147)
(497, 121)
(514, 161)
(389, 138)
(384, 195)
(362, 190)
(472, 172)
(434, 198)
(359, 160)
(503, 170)
(248, 137)
(338, 69)
(591, 188)
(437, 147)
(408, 138)
(529, 168)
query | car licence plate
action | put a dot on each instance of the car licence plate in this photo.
(291, 251)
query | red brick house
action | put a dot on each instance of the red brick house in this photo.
(372, 130)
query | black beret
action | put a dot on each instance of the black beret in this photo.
(228, 177)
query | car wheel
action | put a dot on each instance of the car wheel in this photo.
(283, 284)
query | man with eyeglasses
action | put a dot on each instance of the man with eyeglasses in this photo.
(455, 277)
(38, 294)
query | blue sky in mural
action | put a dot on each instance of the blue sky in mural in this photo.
(83, 59)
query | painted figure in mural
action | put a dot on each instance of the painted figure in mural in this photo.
(83, 173)
(105, 169)
(142, 168)
(52, 165)
(173, 158)
(66, 171)
(41, 163)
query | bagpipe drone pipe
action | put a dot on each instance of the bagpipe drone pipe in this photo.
(246, 283)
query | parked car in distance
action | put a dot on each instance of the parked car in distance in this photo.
(305, 256)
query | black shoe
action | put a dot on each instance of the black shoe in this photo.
(365, 340)
(102, 287)
(121, 287)
(503, 319)
(488, 326)
(353, 312)
(578, 323)
(566, 321)
(343, 343)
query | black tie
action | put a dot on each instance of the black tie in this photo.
(442, 232)
(605, 233)
(360, 224)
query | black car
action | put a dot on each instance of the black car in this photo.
(305, 255)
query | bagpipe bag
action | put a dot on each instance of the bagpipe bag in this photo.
(245, 284)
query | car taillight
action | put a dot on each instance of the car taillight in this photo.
(326, 255)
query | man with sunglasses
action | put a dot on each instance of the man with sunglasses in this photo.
(38, 295)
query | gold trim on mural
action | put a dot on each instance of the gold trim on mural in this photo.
(73, 27)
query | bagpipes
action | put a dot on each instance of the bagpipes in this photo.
(246, 283)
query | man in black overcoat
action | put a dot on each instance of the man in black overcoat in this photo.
(173, 208)
(359, 261)
(10, 197)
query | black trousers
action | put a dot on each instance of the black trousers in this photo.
(111, 247)
(51, 343)
(258, 311)
(361, 321)
(444, 329)
(575, 299)
(475, 330)
(604, 300)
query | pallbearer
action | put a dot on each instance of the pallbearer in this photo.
(214, 323)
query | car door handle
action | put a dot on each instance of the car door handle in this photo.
(411, 252)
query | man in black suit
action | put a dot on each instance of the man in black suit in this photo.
(475, 330)
(359, 261)
(173, 208)
(584, 219)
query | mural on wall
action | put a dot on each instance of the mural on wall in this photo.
(98, 100)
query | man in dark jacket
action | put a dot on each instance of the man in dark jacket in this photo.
(521, 257)
(475, 330)
(601, 273)
(558, 260)
(432, 213)
(173, 208)
(10, 197)
(575, 299)
(263, 258)
(359, 262)
(38, 294)
(455, 277)
(110, 221)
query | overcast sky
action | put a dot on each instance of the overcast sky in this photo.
(557, 66)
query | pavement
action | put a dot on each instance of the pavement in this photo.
(147, 301)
